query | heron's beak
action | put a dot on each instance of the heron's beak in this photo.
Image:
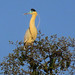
(26, 13)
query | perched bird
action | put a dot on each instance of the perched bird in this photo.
(31, 33)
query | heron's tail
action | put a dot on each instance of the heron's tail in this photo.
(24, 45)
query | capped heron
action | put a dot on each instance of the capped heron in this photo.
(31, 33)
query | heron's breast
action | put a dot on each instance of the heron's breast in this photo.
(33, 32)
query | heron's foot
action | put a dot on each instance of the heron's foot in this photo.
(35, 41)
(24, 48)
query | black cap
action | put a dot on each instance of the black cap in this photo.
(33, 9)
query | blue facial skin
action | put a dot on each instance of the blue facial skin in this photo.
(30, 11)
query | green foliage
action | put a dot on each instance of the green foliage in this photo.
(48, 55)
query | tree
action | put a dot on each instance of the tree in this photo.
(48, 56)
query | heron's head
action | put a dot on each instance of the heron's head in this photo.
(32, 12)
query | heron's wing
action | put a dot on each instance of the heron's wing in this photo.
(27, 36)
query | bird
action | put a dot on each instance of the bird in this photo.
(31, 33)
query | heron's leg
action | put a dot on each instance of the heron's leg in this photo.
(35, 41)
(25, 45)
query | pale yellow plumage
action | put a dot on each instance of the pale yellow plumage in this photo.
(31, 33)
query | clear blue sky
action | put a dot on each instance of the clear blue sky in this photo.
(56, 17)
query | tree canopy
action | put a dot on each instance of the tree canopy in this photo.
(48, 56)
